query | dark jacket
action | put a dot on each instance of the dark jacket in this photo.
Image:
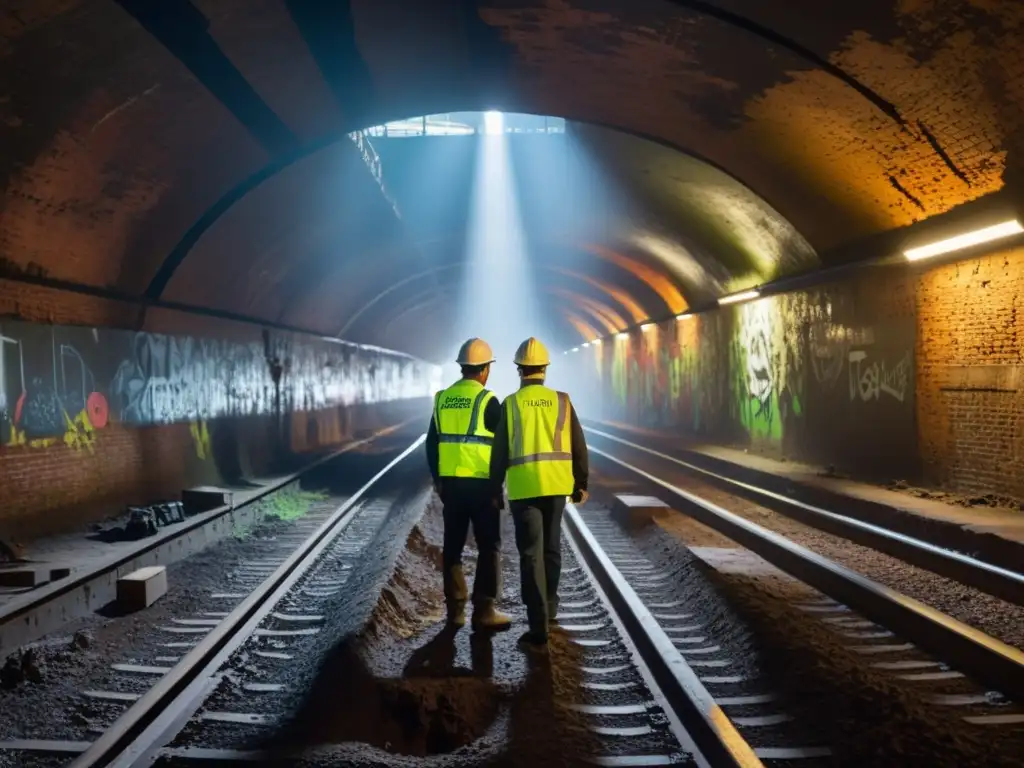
(499, 454)
(492, 415)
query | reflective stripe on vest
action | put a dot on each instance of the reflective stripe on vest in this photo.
(540, 443)
(464, 443)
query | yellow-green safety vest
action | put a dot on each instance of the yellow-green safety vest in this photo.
(464, 443)
(540, 443)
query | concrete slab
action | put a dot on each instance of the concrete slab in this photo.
(27, 575)
(205, 498)
(141, 588)
(636, 511)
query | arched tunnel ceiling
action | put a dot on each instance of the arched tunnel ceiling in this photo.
(125, 122)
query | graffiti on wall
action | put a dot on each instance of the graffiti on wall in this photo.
(871, 379)
(64, 384)
(819, 374)
(767, 363)
(57, 403)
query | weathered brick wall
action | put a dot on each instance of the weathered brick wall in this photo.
(970, 359)
(92, 419)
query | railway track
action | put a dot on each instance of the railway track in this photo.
(658, 683)
(969, 676)
(992, 578)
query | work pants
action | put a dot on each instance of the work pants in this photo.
(468, 501)
(538, 524)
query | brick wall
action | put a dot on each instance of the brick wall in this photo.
(971, 374)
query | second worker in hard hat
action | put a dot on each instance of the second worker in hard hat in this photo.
(458, 446)
(541, 455)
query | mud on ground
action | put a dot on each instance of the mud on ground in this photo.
(410, 691)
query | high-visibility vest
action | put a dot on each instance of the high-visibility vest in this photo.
(464, 443)
(540, 443)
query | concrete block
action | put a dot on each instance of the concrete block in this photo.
(24, 576)
(141, 588)
(196, 500)
(638, 510)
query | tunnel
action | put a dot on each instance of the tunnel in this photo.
(237, 236)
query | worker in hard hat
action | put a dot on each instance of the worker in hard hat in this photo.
(541, 455)
(458, 447)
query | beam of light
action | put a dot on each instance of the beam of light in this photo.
(966, 240)
(499, 299)
(737, 297)
(494, 123)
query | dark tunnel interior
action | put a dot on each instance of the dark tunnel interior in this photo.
(774, 252)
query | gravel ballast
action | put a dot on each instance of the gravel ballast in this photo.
(1000, 619)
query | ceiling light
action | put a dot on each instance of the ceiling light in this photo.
(494, 123)
(744, 296)
(686, 316)
(647, 327)
(958, 243)
(622, 335)
(575, 349)
(596, 342)
(585, 344)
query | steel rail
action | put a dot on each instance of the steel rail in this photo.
(1000, 582)
(987, 659)
(713, 735)
(144, 728)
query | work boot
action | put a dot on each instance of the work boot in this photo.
(457, 613)
(535, 642)
(487, 617)
(455, 595)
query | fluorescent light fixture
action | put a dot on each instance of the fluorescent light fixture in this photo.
(967, 240)
(622, 335)
(647, 327)
(494, 123)
(744, 296)
(686, 316)
(575, 349)
(585, 344)
(596, 342)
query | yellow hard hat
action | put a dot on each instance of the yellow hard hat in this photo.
(475, 352)
(532, 352)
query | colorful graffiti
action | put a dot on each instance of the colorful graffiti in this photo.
(767, 363)
(42, 410)
(65, 384)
